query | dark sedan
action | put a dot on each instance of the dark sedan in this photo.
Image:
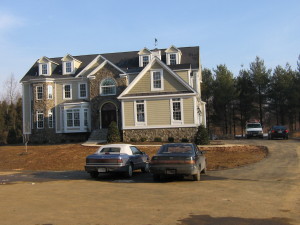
(278, 132)
(178, 159)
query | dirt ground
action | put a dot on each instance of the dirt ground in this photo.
(67, 157)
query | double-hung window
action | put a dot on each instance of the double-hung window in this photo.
(39, 92)
(73, 118)
(140, 112)
(67, 91)
(40, 119)
(50, 92)
(44, 69)
(157, 82)
(68, 67)
(176, 106)
(145, 60)
(82, 91)
(173, 59)
(50, 118)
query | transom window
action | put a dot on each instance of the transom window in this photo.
(173, 59)
(39, 92)
(67, 91)
(145, 60)
(40, 119)
(157, 80)
(73, 118)
(44, 69)
(176, 110)
(140, 111)
(108, 87)
(82, 90)
(68, 67)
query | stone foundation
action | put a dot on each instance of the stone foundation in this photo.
(164, 133)
(53, 138)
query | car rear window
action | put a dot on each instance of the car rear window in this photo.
(166, 149)
(279, 128)
(111, 150)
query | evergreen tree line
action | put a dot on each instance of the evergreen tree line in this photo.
(271, 96)
(11, 122)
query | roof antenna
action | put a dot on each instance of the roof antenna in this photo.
(155, 42)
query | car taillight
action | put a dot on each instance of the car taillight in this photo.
(273, 131)
(189, 161)
(286, 131)
(120, 161)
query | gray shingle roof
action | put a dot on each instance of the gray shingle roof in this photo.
(128, 61)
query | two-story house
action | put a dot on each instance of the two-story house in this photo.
(149, 93)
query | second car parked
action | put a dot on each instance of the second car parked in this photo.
(278, 132)
(178, 159)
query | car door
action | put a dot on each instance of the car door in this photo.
(137, 157)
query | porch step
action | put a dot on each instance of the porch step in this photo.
(99, 135)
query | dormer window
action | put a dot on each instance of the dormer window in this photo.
(44, 69)
(70, 64)
(145, 60)
(68, 67)
(173, 60)
(173, 56)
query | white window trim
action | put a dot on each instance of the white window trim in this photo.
(161, 78)
(37, 119)
(50, 123)
(64, 96)
(115, 89)
(137, 123)
(169, 55)
(50, 89)
(79, 91)
(65, 67)
(37, 94)
(41, 69)
(141, 59)
(76, 129)
(176, 122)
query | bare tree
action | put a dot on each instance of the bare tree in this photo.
(12, 89)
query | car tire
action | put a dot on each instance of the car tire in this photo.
(196, 177)
(94, 174)
(129, 171)
(146, 169)
(156, 177)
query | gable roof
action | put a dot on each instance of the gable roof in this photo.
(125, 95)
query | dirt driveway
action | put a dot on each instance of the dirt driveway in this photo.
(263, 193)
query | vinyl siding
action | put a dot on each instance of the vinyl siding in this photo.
(184, 75)
(188, 110)
(170, 83)
(129, 114)
(158, 112)
(26, 109)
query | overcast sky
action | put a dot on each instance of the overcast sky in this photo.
(231, 32)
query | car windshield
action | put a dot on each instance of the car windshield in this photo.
(110, 150)
(253, 125)
(176, 148)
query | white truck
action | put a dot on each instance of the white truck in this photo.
(254, 129)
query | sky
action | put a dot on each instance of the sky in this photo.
(230, 32)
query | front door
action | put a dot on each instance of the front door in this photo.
(108, 114)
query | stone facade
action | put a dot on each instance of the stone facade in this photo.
(98, 101)
(163, 133)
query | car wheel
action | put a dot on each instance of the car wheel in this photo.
(146, 169)
(129, 171)
(156, 177)
(196, 177)
(287, 137)
(94, 174)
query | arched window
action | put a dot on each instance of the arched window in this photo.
(108, 87)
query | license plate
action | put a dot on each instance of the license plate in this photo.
(280, 132)
(170, 171)
(102, 170)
